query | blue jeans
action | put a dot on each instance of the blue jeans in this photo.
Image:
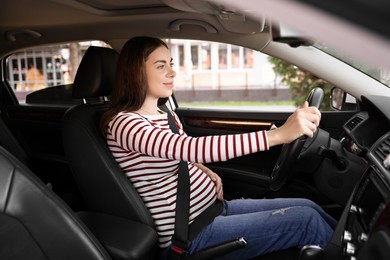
(267, 225)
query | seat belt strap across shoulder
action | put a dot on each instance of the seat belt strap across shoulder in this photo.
(180, 238)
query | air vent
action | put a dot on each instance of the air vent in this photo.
(354, 122)
(383, 149)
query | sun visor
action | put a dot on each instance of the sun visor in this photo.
(231, 19)
(196, 6)
(239, 23)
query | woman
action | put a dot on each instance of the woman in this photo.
(148, 152)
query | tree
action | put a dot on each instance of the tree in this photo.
(300, 82)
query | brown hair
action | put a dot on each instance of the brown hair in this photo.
(130, 86)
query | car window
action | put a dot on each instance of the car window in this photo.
(224, 76)
(46, 73)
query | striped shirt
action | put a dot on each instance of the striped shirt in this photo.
(149, 154)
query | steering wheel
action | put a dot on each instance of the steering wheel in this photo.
(290, 152)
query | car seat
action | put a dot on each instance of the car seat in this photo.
(35, 223)
(103, 186)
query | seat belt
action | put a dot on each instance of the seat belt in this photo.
(180, 242)
(184, 232)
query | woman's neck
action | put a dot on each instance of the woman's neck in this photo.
(149, 112)
(149, 107)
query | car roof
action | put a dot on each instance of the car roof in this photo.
(27, 23)
(245, 22)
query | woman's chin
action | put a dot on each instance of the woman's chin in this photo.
(168, 93)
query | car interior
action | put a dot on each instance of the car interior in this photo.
(63, 196)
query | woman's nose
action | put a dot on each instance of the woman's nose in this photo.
(172, 73)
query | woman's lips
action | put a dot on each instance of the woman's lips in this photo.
(169, 85)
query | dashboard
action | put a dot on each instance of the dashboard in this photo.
(366, 230)
(366, 127)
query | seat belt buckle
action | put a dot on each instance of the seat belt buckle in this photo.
(180, 247)
(177, 250)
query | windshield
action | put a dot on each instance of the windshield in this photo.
(379, 73)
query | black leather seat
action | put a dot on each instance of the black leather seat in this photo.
(35, 223)
(9, 142)
(103, 185)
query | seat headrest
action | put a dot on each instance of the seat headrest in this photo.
(96, 73)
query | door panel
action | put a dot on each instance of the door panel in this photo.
(38, 130)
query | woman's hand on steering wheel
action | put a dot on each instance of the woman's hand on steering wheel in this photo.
(293, 133)
(304, 121)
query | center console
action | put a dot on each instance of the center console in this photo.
(368, 219)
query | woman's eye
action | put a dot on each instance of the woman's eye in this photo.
(171, 64)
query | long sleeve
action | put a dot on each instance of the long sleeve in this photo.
(133, 132)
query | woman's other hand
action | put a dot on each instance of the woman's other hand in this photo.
(218, 183)
(215, 178)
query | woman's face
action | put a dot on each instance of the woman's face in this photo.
(159, 73)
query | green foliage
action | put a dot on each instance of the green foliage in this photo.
(300, 82)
